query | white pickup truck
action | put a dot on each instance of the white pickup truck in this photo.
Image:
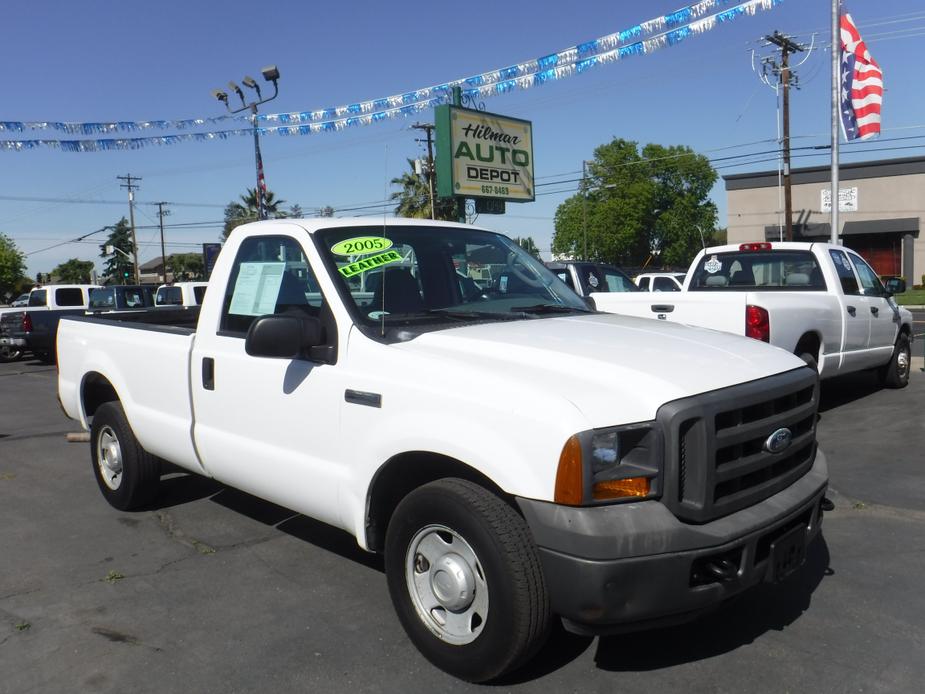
(817, 300)
(513, 454)
(33, 326)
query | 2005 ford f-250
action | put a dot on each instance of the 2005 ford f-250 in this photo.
(438, 393)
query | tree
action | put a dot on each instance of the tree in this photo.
(74, 271)
(634, 205)
(119, 267)
(186, 266)
(326, 211)
(12, 267)
(528, 244)
(238, 213)
(413, 200)
(296, 212)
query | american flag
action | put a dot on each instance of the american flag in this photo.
(861, 84)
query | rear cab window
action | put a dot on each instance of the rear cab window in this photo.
(38, 298)
(102, 298)
(169, 296)
(69, 296)
(199, 294)
(760, 270)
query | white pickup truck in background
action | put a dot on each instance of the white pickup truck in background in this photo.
(819, 301)
(180, 294)
(515, 455)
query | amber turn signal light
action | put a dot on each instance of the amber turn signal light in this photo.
(621, 489)
(569, 482)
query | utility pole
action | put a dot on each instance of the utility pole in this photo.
(429, 129)
(787, 46)
(132, 187)
(161, 213)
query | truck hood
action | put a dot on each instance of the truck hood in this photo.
(614, 369)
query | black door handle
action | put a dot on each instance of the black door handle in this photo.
(851, 310)
(662, 308)
(208, 373)
(875, 310)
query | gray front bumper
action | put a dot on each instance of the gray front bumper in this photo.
(613, 568)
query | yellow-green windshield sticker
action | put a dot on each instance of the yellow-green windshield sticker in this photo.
(370, 263)
(361, 245)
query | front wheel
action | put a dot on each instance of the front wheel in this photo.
(895, 374)
(126, 473)
(465, 580)
(9, 353)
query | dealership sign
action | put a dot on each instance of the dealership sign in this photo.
(483, 155)
(847, 200)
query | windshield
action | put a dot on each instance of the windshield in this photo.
(782, 270)
(401, 276)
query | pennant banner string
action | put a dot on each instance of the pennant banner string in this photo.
(676, 27)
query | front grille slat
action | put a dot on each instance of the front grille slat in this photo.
(716, 461)
(744, 432)
(748, 465)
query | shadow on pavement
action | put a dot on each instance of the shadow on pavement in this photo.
(841, 390)
(766, 608)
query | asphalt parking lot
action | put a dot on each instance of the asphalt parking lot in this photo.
(213, 590)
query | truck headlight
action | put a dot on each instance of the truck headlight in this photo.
(605, 465)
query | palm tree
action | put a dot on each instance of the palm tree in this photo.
(414, 198)
(237, 213)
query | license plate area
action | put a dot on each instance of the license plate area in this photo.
(788, 552)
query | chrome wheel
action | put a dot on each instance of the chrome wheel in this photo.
(447, 584)
(109, 457)
(902, 362)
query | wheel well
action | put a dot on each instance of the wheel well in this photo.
(810, 343)
(95, 391)
(404, 473)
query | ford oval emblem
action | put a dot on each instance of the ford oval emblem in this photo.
(779, 441)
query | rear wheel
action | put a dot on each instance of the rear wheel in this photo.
(9, 353)
(895, 373)
(127, 474)
(465, 580)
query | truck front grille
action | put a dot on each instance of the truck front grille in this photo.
(717, 458)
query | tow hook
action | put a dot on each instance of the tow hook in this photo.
(826, 504)
(722, 569)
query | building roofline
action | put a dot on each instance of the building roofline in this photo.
(878, 168)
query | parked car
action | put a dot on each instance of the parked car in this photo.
(660, 281)
(180, 294)
(588, 278)
(35, 327)
(515, 455)
(21, 300)
(817, 300)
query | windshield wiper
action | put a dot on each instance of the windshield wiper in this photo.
(437, 313)
(548, 308)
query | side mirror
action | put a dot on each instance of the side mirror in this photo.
(283, 337)
(895, 285)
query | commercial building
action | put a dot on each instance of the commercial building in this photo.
(882, 208)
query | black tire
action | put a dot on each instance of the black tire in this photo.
(508, 580)
(127, 475)
(895, 373)
(9, 354)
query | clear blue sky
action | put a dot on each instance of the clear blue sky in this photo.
(103, 61)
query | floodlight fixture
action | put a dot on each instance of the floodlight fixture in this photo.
(237, 90)
(220, 95)
(270, 73)
(251, 83)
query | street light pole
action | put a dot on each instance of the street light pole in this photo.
(270, 74)
(584, 208)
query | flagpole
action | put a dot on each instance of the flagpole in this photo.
(836, 88)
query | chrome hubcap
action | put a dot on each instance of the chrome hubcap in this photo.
(109, 457)
(447, 584)
(902, 362)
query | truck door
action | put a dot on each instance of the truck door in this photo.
(268, 426)
(855, 313)
(883, 316)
